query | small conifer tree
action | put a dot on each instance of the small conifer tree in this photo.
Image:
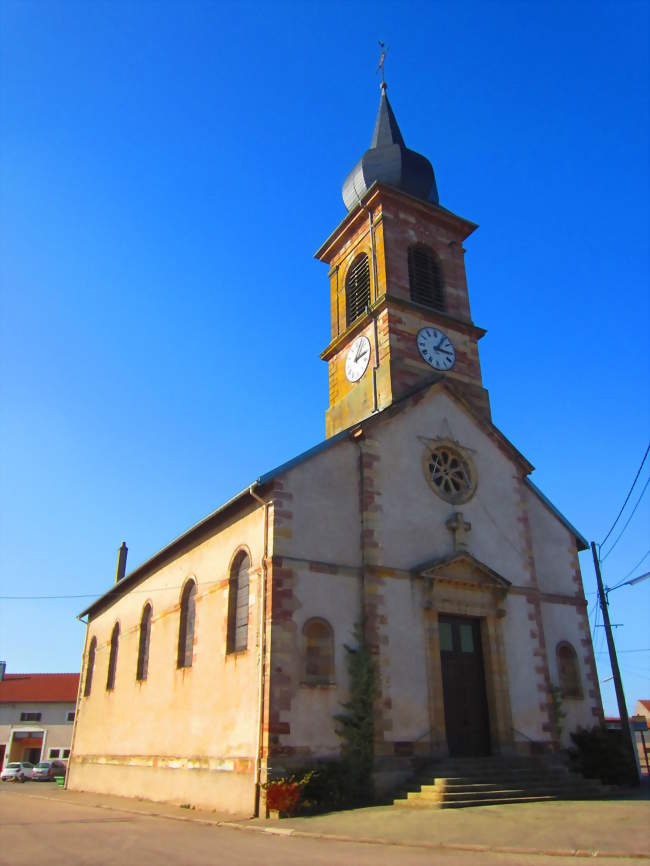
(357, 724)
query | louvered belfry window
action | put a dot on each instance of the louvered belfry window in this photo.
(357, 288)
(237, 640)
(425, 278)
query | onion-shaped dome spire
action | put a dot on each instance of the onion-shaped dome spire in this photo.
(389, 161)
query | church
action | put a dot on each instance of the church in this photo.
(221, 660)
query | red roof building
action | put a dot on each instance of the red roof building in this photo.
(37, 714)
(39, 688)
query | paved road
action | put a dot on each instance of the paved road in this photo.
(36, 830)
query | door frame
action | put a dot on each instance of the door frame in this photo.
(477, 652)
(474, 595)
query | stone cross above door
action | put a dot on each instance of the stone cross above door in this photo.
(459, 529)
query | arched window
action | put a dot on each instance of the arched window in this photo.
(357, 289)
(186, 626)
(425, 277)
(143, 646)
(90, 667)
(318, 651)
(112, 659)
(237, 640)
(568, 670)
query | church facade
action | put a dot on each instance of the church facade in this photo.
(221, 660)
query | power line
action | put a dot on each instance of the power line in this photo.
(646, 650)
(628, 520)
(626, 498)
(99, 595)
(594, 613)
(42, 597)
(643, 558)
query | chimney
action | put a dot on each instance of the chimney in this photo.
(121, 562)
(3, 668)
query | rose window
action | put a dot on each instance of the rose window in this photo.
(449, 474)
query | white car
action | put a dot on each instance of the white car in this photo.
(17, 771)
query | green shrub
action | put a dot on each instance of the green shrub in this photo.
(599, 753)
(328, 788)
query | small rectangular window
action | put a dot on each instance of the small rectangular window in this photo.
(54, 753)
(66, 753)
(71, 716)
(466, 638)
(30, 717)
(446, 641)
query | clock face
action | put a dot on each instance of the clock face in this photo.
(436, 348)
(357, 359)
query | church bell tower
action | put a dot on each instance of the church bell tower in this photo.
(400, 313)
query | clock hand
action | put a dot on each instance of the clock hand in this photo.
(360, 352)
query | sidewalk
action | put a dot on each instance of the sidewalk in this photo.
(605, 828)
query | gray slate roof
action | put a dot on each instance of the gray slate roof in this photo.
(389, 161)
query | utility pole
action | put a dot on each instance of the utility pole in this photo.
(616, 674)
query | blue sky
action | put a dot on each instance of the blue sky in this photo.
(168, 170)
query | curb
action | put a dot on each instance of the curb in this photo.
(430, 846)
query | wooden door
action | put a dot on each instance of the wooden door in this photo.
(463, 686)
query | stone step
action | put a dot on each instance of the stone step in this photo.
(492, 777)
(568, 784)
(495, 793)
(496, 799)
(499, 801)
(461, 782)
(471, 770)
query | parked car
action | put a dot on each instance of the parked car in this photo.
(47, 771)
(17, 771)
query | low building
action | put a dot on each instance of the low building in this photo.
(643, 709)
(640, 728)
(36, 716)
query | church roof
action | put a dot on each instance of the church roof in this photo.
(388, 160)
(194, 533)
(583, 544)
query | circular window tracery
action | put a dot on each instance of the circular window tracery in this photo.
(449, 473)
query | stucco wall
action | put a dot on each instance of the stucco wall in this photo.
(412, 521)
(201, 720)
(404, 675)
(335, 598)
(566, 623)
(554, 549)
(325, 517)
(51, 713)
(525, 697)
(405, 525)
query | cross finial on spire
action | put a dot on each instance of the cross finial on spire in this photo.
(382, 58)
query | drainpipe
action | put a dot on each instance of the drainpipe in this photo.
(373, 256)
(260, 721)
(76, 706)
(358, 437)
